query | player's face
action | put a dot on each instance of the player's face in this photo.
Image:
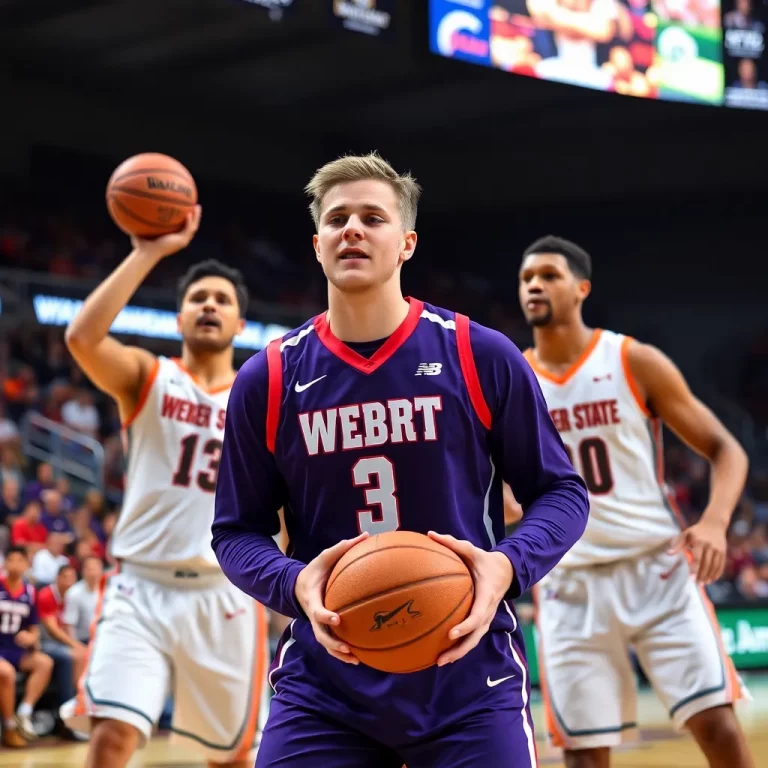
(549, 292)
(360, 241)
(16, 565)
(209, 318)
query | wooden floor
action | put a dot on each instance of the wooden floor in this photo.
(661, 747)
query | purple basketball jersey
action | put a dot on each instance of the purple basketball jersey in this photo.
(416, 436)
(17, 612)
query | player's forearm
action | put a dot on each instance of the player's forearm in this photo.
(728, 476)
(255, 565)
(549, 528)
(95, 318)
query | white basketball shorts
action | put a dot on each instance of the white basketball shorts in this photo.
(195, 636)
(589, 618)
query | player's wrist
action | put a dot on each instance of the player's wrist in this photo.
(505, 570)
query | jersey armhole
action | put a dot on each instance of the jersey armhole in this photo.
(469, 371)
(629, 377)
(274, 391)
(144, 394)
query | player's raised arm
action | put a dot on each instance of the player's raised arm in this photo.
(668, 396)
(532, 460)
(115, 368)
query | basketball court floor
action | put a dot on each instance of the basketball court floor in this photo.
(661, 747)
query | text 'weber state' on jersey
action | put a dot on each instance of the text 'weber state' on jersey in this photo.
(173, 445)
(615, 444)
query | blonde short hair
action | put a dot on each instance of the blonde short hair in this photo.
(364, 168)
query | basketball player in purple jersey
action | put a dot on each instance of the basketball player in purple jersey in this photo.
(19, 641)
(385, 413)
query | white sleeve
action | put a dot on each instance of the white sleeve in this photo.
(72, 601)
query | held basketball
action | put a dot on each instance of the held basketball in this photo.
(398, 595)
(150, 195)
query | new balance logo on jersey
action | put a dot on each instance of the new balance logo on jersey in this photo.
(429, 369)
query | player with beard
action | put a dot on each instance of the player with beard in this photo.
(169, 619)
(627, 581)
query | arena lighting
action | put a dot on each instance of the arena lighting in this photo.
(150, 323)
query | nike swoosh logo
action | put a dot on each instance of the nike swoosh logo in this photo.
(302, 387)
(494, 683)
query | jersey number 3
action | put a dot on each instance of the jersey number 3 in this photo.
(205, 478)
(376, 474)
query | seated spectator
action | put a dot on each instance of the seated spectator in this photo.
(45, 480)
(10, 509)
(19, 637)
(68, 501)
(10, 464)
(68, 654)
(53, 517)
(20, 391)
(80, 601)
(48, 561)
(9, 432)
(28, 531)
(81, 415)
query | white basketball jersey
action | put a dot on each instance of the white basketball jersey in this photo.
(173, 446)
(615, 444)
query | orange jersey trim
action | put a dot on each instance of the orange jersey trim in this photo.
(564, 378)
(213, 391)
(145, 390)
(259, 678)
(634, 388)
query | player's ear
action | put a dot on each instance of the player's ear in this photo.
(584, 288)
(316, 246)
(409, 245)
(178, 323)
(240, 326)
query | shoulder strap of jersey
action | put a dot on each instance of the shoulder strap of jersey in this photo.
(274, 391)
(469, 371)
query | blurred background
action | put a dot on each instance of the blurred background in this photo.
(636, 129)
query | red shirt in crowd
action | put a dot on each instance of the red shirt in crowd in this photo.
(50, 603)
(24, 533)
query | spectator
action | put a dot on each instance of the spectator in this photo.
(68, 502)
(28, 531)
(19, 637)
(10, 464)
(9, 432)
(81, 415)
(68, 654)
(81, 599)
(10, 501)
(20, 391)
(53, 518)
(44, 481)
(48, 560)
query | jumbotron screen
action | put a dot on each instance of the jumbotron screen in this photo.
(657, 49)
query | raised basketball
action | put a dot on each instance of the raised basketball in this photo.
(398, 595)
(149, 195)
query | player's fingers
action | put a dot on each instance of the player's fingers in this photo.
(328, 641)
(463, 647)
(702, 567)
(332, 554)
(677, 544)
(470, 624)
(459, 546)
(322, 615)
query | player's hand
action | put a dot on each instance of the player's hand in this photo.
(707, 543)
(25, 638)
(492, 575)
(160, 247)
(310, 591)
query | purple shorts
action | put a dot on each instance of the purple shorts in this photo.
(471, 714)
(13, 656)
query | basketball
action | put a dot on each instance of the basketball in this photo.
(398, 595)
(150, 195)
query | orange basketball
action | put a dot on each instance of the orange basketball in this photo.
(398, 595)
(150, 195)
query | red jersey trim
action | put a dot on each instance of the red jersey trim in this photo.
(19, 592)
(469, 370)
(387, 349)
(274, 391)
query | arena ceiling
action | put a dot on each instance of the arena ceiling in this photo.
(226, 63)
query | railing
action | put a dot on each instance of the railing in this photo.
(79, 457)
